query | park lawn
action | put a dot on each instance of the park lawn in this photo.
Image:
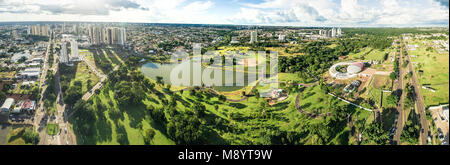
(357, 56)
(15, 135)
(128, 124)
(314, 100)
(107, 58)
(90, 57)
(52, 129)
(375, 87)
(223, 49)
(377, 54)
(285, 77)
(9, 75)
(117, 57)
(246, 121)
(282, 51)
(84, 74)
(435, 69)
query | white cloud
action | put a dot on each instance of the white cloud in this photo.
(268, 12)
(345, 13)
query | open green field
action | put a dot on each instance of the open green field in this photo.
(357, 56)
(52, 129)
(375, 87)
(286, 77)
(435, 69)
(315, 101)
(377, 54)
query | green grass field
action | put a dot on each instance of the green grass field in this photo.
(377, 54)
(435, 69)
(52, 129)
(357, 56)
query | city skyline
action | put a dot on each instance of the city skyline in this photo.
(302, 13)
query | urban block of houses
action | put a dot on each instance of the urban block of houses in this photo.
(22, 106)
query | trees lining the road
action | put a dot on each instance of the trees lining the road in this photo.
(73, 94)
(375, 134)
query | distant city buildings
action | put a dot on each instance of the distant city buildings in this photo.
(333, 33)
(108, 36)
(281, 37)
(39, 30)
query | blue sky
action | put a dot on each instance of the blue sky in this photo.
(345, 13)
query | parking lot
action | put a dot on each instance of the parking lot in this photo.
(441, 125)
(21, 118)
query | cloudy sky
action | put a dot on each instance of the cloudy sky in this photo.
(345, 13)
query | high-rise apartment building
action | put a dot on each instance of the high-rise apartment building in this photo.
(253, 37)
(74, 51)
(333, 32)
(64, 57)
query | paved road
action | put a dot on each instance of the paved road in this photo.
(65, 135)
(420, 103)
(40, 119)
(399, 87)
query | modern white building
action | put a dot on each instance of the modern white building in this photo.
(64, 56)
(339, 32)
(31, 73)
(7, 104)
(281, 37)
(333, 32)
(74, 51)
(253, 37)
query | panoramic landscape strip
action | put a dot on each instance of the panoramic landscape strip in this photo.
(203, 72)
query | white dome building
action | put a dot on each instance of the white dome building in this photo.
(355, 68)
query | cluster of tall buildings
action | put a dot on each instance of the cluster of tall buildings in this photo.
(333, 33)
(39, 30)
(109, 36)
(73, 49)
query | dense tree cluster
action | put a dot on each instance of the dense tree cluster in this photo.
(317, 59)
(186, 128)
(375, 134)
(29, 136)
(73, 94)
(129, 86)
(411, 131)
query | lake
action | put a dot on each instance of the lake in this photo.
(152, 70)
